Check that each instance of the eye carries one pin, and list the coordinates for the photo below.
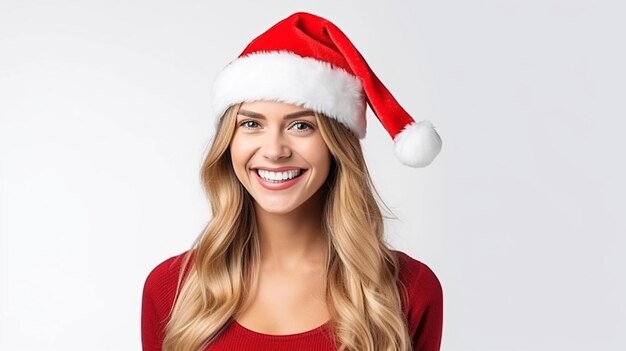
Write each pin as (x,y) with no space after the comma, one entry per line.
(302,126)
(249,124)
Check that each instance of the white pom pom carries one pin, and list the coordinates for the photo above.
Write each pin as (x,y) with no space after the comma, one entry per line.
(417,144)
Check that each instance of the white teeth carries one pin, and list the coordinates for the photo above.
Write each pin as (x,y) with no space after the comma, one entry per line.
(278,176)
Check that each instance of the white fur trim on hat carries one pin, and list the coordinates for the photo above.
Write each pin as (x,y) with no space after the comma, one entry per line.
(417,144)
(287,77)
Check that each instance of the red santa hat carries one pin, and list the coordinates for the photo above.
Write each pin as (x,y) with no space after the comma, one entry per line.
(307,60)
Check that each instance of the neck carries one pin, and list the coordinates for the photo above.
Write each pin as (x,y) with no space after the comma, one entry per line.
(295,240)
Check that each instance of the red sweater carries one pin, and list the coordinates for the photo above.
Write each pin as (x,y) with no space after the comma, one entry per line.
(424,313)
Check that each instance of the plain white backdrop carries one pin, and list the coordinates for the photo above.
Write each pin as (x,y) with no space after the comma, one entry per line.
(104,122)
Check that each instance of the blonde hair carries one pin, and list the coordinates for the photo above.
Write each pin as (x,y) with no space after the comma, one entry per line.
(362,291)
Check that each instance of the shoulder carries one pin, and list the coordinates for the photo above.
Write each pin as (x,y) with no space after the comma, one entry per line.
(162,280)
(420,286)
(415,274)
(166,268)
(159,291)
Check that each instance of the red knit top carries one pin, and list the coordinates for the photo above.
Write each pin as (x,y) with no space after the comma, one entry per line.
(422,307)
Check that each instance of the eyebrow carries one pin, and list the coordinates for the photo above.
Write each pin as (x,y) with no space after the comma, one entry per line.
(287,116)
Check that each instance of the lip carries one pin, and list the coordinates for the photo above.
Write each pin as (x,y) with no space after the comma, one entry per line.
(278,186)
(279,169)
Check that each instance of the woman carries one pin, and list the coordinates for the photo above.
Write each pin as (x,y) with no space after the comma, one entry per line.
(294,256)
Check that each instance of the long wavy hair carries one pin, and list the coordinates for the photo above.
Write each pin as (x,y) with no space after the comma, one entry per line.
(363,294)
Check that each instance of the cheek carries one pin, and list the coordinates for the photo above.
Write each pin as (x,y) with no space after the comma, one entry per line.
(319,155)
(240,155)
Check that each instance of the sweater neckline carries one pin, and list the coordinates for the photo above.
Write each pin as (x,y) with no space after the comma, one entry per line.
(310,332)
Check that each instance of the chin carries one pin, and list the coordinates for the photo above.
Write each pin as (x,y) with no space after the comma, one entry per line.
(277,209)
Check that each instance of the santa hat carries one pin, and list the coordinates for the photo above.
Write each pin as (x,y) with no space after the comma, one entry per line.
(308,61)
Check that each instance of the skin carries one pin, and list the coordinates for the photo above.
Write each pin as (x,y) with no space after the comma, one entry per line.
(288,296)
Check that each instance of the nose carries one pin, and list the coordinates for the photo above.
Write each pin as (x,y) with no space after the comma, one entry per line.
(275,147)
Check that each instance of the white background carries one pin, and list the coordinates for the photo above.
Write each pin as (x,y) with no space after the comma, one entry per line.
(104,122)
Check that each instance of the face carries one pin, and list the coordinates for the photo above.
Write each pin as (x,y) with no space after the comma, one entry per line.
(279,155)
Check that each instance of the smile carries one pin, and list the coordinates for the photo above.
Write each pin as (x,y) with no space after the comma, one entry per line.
(279,176)
(278,180)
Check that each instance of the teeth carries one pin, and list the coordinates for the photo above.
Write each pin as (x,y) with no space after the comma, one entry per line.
(278,176)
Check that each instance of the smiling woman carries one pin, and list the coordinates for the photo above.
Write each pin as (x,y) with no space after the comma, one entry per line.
(294,256)
(280,160)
